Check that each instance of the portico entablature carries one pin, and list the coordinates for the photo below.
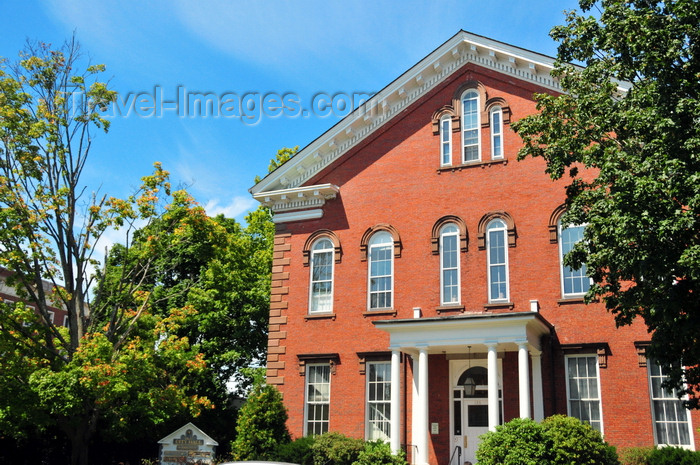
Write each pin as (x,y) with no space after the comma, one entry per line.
(452,334)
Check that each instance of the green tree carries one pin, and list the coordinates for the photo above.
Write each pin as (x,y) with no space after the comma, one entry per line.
(220,269)
(283,154)
(630,118)
(119,368)
(262,425)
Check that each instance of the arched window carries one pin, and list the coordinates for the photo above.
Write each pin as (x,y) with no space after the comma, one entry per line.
(574,283)
(321,288)
(496,115)
(381,271)
(470,126)
(497,258)
(446,140)
(449,264)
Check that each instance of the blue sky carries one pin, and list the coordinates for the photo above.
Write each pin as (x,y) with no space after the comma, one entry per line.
(162,49)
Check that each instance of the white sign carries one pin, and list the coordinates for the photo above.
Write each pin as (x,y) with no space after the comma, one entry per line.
(187,445)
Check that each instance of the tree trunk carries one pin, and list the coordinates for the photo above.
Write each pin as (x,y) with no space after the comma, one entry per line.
(79,447)
(79,435)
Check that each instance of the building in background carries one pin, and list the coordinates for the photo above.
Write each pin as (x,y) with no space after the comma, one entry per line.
(8,294)
(418,290)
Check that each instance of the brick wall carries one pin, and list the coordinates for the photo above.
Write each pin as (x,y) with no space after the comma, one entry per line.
(394,177)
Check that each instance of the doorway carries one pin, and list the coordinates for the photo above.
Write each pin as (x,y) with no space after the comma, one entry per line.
(469,409)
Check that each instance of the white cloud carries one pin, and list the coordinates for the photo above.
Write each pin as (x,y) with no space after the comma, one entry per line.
(236,207)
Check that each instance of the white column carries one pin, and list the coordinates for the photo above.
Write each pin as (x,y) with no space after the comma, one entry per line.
(415,406)
(422,433)
(395,401)
(538,397)
(524,380)
(493,385)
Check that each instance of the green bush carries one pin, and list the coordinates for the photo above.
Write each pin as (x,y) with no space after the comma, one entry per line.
(636,456)
(298,451)
(518,442)
(261,425)
(558,440)
(674,456)
(336,449)
(379,453)
(576,442)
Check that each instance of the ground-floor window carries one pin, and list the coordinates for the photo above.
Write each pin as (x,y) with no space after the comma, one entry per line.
(379,401)
(583,389)
(671,422)
(318,398)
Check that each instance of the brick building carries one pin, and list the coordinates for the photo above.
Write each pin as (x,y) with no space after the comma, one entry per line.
(8,294)
(418,293)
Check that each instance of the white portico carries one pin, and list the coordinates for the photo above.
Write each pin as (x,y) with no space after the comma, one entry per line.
(455,336)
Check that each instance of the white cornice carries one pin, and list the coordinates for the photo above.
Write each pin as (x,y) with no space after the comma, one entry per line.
(442,332)
(459,50)
(300,198)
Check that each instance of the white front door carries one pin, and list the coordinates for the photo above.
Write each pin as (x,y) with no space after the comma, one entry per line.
(475,422)
(469,410)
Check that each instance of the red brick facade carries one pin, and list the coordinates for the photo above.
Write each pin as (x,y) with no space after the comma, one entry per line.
(394,177)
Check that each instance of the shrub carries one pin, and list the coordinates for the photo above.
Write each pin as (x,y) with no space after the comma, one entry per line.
(636,456)
(261,425)
(673,456)
(336,449)
(558,440)
(518,442)
(379,453)
(298,451)
(576,442)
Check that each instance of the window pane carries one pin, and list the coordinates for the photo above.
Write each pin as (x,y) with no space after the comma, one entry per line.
(497,260)
(573,281)
(317,399)
(321,298)
(449,262)
(380,269)
(670,416)
(446,141)
(470,123)
(583,390)
(379,400)
(496,133)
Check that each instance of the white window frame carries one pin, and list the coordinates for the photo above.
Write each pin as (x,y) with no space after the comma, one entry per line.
(502,229)
(380,240)
(580,273)
(496,132)
(598,399)
(668,398)
(315,253)
(307,402)
(471,94)
(383,404)
(454,232)
(446,140)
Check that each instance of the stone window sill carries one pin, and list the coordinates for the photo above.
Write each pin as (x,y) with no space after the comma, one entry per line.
(482,164)
(450,308)
(499,305)
(320,316)
(384,312)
